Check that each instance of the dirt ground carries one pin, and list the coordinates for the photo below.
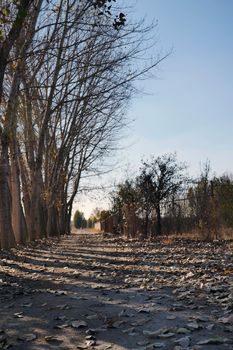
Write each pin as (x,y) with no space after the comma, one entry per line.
(93,292)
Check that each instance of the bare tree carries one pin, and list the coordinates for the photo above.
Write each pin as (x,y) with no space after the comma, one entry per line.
(66,87)
(12,31)
(161,179)
(84,112)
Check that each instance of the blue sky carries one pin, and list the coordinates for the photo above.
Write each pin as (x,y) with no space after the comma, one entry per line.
(189,108)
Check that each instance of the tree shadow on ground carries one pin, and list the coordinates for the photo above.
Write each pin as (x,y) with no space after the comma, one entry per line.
(45,288)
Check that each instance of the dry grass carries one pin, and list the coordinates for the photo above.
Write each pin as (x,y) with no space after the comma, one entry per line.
(85,230)
(198,235)
(169,240)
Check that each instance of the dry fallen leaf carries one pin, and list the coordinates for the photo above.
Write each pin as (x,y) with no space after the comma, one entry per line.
(156,346)
(182,331)
(214,340)
(78,324)
(227,319)
(160,333)
(27,337)
(184,342)
(193,325)
(171,317)
(62,326)
(92,317)
(27,305)
(166,335)
(63,307)
(53,340)
(143,343)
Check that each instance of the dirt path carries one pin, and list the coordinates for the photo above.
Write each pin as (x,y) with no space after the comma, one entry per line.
(89,292)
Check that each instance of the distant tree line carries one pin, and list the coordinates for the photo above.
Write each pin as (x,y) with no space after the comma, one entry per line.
(79,220)
(97,215)
(163,199)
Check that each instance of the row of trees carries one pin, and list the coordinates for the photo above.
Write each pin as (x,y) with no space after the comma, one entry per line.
(210,203)
(80,221)
(97,215)
(66,75)
(163,199)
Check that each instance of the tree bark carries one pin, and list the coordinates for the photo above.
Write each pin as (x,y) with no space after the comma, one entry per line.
(7,238)
(36,220)
(145,233)
(158,221)
(52,227)
(13,35)
(17,214)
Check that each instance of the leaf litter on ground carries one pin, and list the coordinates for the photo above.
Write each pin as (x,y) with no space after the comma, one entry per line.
(180,293)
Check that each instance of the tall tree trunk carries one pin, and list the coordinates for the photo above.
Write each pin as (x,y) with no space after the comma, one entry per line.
(36,220)
(67,218)
(7,238)
(26,199)
(158,220)
(17,214)
(52,227)
(64,220)
(145,233)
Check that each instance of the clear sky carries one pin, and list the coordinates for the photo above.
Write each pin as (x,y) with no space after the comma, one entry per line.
(189,108)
